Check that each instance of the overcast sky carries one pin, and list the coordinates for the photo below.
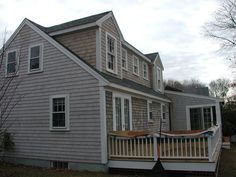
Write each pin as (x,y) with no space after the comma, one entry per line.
(171,27)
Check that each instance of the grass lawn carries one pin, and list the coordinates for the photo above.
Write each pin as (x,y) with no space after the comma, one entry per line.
(228,162)
(227,169)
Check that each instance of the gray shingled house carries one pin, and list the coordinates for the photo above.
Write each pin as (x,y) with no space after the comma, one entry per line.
(93,101)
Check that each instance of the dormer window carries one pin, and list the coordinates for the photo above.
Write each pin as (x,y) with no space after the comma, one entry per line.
(159,79)
(136,65)
(124,59)
(145,70)
(111,60)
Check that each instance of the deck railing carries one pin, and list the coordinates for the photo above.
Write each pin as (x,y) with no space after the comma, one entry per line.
(153,147)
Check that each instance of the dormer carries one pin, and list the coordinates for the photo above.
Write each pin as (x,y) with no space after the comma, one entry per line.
(157,72)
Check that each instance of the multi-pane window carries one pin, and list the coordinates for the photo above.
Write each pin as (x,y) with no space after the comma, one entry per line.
(111,53)
(202,117)
(145,70)
(35,58)
(124,59)
(159,78)
(135,65)
(59,112)
(12,63)
(163,109)
(149,111)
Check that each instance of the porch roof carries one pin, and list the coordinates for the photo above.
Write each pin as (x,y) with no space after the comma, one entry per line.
(135,86)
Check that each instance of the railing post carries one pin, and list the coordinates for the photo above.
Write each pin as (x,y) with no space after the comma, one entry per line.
(209,139)
(155,148)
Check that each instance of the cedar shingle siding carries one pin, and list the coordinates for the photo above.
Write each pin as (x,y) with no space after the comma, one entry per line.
(31,117)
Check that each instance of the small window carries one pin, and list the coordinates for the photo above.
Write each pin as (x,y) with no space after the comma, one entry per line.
(124,59)
(12,63)
(35,58)
(111,54)
(60,112)
(163,109)
(159,79)
(149,111)
(59,165)
(135,65)
(145,70)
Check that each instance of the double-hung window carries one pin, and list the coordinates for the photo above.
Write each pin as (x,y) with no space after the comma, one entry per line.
(145,70)
(149,111)
(35,58)
(59,106)
(12,63)
(163,111)
(124,59)
(159,79)
(136,65)
(111,62)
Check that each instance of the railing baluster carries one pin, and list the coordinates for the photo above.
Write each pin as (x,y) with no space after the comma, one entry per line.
(164,147)
(150,146)
(146,147)
(181,144)
(204,147)
(135,152)
(195,148)
(190,141)
(186,147)
(138,147)
(160,147)
(127,147)
(177,146)
(142,148)
(131,146)
(169,147)
(199,147)
(173,147)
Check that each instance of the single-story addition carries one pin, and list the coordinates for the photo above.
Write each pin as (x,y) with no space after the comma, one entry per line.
(92,101)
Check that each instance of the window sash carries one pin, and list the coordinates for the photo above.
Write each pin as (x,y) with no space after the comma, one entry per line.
(12,62)
(35,58)
(135,65)
(124,59)
(111,53)
(145,71)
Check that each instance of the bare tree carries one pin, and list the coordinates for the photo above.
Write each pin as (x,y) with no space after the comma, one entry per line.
(9,95)
(219,88)
(223,27)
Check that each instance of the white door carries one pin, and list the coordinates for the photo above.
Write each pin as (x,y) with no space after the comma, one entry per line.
(121,112)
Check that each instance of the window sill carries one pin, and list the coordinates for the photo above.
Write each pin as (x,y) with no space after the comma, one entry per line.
(34,72)
(11,75)
(125,69)
(136,74)
(59,130)
(150,121)
(146,79)
(111,71)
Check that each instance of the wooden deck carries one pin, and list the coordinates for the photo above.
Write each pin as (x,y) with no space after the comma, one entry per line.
(196,147)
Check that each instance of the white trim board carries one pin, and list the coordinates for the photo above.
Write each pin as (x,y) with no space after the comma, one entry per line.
(131,164)
(193,95)
(60,48)
(137,92)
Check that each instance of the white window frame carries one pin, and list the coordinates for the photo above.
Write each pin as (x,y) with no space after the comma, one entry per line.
(115,54)
(67,113)
(200,106)
(40,69)
(160,78)
(124,59)
(145,64)
(137,59)
(17,63)
(122,96)
(148,110)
